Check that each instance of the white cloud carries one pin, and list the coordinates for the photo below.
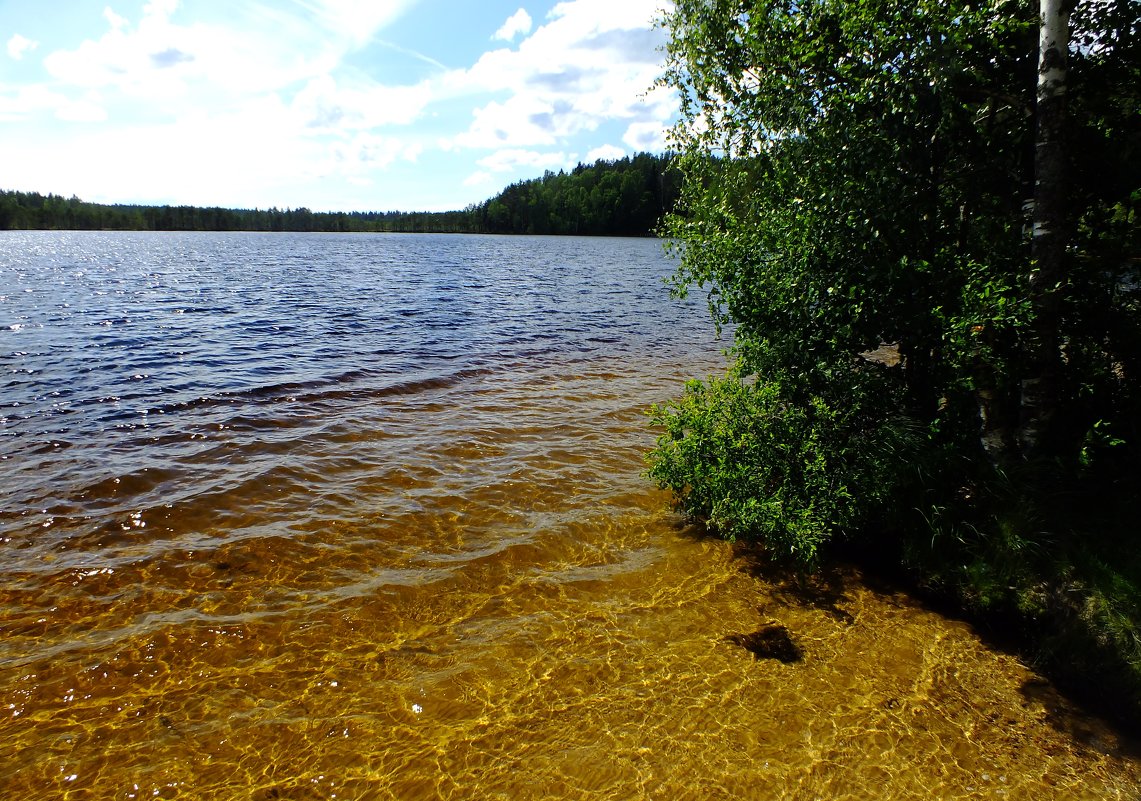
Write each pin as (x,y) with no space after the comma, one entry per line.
(236,98)
(161,8)
(359,20)
(518,23)
(260,49)
(627,15)
(646,136)
(605,153)
(324,106)
(366,152)
(19,45)
(114,20)
(207,110)
(512,159)
(232,159)
(32,100)
(478,179)
(521,121)
(590,62)
(29,100)
(165,63)
(87,109)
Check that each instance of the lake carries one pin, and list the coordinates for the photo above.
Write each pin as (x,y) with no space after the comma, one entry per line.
(290,516)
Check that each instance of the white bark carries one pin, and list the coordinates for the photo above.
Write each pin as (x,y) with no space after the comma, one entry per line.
(1041,387)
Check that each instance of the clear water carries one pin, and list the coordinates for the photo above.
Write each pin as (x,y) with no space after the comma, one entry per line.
(317,516)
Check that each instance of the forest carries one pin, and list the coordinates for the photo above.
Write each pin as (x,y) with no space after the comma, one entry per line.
(623,197)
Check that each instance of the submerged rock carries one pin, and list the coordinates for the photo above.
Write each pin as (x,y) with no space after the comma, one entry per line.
(771,641)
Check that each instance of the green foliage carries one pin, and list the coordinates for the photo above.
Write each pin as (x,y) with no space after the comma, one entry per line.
(792,470)
(738,455)
(625,197)
(855,174)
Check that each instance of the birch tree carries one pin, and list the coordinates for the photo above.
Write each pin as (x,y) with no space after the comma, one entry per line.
(855,178)
(1041,392)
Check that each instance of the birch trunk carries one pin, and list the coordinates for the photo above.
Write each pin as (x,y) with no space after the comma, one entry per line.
(1041,388)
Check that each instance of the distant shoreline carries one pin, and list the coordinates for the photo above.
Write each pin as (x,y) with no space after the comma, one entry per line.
(625,197)
(650,235)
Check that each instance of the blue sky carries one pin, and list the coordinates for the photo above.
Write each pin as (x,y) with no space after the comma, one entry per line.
(330,104)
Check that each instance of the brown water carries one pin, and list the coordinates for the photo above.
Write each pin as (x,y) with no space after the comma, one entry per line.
(319,551)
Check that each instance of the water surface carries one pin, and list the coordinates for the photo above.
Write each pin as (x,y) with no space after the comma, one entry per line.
(292,516)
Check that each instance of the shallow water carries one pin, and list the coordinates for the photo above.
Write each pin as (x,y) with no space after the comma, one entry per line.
(362,517)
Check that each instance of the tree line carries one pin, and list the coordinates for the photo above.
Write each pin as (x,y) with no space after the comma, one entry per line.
(623,197)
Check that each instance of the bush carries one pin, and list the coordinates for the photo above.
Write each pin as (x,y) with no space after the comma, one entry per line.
(792,472)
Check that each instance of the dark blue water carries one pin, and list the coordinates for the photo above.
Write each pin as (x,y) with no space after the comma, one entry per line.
(100,331)
(120,352)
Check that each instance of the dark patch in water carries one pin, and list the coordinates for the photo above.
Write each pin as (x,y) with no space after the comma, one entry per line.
(771,641)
